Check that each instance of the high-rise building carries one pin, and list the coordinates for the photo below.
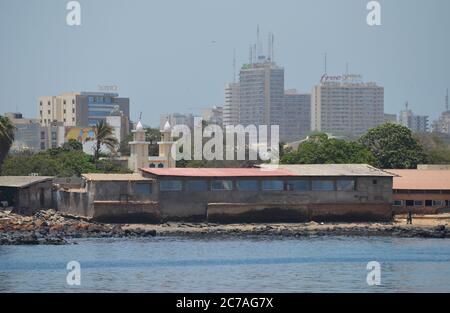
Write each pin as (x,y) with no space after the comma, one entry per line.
(29,135)
(346,106)
(261,94)
(297,116)
(80,109)
(416,123)
(390,118)
(231,106)
(213,115)
(442,124)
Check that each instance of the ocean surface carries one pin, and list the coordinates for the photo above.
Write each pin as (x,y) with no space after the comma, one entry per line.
(162,264)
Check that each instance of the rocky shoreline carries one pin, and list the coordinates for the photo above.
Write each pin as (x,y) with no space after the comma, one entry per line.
(53,228)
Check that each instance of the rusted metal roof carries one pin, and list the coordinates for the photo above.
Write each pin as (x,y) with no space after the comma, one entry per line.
(421,179)
(22,181)
(351,170)
(217,172)
(273,171)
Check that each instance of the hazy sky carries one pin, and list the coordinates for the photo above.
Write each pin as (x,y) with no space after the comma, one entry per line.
(171,56)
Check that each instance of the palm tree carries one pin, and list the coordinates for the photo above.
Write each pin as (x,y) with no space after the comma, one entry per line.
(6,137)
(104,136)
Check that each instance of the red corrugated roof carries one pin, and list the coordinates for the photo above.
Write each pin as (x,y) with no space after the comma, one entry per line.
(217,172)
(421,179)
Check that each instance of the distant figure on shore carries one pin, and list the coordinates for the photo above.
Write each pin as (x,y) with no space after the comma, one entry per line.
(409,218)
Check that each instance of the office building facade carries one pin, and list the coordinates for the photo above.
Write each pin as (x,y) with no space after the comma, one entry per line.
(346,106)
(80,109)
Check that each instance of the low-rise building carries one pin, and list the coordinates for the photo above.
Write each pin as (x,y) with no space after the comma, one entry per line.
(421,191)
(295,193)
(26,193)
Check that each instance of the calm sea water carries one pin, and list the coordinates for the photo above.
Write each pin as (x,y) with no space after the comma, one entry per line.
(229,265)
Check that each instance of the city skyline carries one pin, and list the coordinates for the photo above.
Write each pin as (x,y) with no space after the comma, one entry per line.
(187,65)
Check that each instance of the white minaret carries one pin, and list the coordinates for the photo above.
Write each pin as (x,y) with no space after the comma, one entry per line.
(138,149)
(165,145)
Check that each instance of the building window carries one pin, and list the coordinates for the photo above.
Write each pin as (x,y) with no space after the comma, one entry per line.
(322,185)
(273,185)
(196,185)
(438,203)
(64,101)
(428,202)
(143,188)
(160,165)
(73,101)
(64,111)
(218,185)
(170,185)
(374,182)
(398,203)
(48,103)
(152,165)
(48,111)
(42,135)
(42,145)
(40,112)
(409,202)
(247,185)
(345,185)
(298,185)
(73,110)
(418,203)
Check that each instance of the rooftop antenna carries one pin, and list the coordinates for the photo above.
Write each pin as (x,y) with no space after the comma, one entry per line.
(269,47)
(273,47)
(257,43)
(446,101)
(234,66)
(140,116)
(406,105)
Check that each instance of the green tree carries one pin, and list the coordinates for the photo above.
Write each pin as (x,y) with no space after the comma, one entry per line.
(104,135)
(319,149)
(58,162)
(394,147)
(436,147)
(152,135)
(72,145)
(6,137)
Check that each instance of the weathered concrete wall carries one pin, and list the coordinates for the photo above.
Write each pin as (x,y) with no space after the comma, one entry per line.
(297,213)
(35,197)
(372,193)
(112,201)
(76,202)
(126,212)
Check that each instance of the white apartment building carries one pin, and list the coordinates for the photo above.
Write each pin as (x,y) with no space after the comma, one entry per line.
(231,106)
(416,123)
(62,108)
(345,105)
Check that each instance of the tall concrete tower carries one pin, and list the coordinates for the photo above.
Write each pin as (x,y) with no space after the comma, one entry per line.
(138,149)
